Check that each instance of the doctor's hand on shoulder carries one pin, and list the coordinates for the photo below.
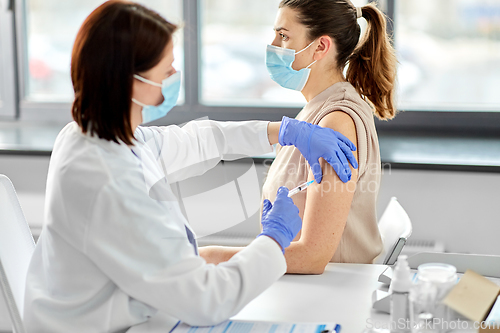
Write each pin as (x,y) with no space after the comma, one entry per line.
(281,220)
(314,141)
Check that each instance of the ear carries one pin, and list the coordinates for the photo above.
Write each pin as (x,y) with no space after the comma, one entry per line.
(325,46)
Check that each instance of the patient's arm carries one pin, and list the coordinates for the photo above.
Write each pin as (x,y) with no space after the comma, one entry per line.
(326,209)
(325,214)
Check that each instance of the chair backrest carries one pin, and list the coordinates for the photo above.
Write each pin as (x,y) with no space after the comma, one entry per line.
(395,228)
(16,249)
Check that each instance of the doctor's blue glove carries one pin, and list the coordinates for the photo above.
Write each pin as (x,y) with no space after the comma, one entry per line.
(266,207)
(281,221)
(314,141)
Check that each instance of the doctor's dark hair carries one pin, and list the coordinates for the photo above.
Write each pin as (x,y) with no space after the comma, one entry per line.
(371,62)
(117,40)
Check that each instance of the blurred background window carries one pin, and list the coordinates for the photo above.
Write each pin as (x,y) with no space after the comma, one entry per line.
(52,26)
(448,51)
(449,54)
(7,61)
(234,36)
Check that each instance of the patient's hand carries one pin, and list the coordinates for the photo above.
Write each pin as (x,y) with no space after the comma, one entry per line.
(209,253)
(217,254)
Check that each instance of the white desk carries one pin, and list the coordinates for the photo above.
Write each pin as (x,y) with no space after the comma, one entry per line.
(342,294)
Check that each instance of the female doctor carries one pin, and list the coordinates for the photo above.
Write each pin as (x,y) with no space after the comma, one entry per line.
(115,249)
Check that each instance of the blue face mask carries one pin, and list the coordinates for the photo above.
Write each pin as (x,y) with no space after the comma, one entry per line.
(279,65)
(170,88)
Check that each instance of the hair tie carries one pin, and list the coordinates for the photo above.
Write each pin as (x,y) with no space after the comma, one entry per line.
(359,12)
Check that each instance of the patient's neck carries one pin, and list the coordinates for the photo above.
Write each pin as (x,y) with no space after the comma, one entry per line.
(319,80)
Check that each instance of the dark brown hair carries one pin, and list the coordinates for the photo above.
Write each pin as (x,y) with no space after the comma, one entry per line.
(116,41)
(371,62)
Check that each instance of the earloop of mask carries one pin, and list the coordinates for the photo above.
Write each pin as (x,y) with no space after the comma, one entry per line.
(305,48)
(138,103)
(312,63)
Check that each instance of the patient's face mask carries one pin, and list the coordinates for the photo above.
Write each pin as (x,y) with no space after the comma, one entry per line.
(279,65)
(170,88)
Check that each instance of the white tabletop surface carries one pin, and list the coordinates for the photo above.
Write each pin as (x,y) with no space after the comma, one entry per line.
(342,294)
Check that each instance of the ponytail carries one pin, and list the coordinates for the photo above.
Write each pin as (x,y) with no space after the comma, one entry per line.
(372,65)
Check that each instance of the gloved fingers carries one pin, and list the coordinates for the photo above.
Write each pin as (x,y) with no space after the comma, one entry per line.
(345,167)
(266,207)
(283,221)
(339,167)
(267,204)
(282,192)
(348,153)
(317,172)
(311,135)
(289,224)
(283,203)
(345,140)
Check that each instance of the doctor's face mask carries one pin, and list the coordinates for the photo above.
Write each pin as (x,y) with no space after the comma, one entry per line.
(279,62)
(170,88)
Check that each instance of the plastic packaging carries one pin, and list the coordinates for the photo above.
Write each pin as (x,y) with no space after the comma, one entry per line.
(433,282)
(494,316)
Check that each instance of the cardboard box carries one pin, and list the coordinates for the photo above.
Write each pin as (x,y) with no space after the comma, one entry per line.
(473,297)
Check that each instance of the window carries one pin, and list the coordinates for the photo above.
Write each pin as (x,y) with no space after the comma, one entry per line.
(51,27)
(234,36)
(7,73)
(449,54)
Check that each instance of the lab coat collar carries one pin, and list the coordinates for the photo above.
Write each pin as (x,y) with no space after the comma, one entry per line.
(120,147)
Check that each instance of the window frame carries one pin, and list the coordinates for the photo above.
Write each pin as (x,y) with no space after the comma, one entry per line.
(477,123)
(8,94)
(45,112)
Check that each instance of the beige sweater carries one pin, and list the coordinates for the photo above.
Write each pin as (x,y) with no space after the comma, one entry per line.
(361,241)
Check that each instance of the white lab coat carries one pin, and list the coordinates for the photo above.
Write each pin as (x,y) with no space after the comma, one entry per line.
(110,256)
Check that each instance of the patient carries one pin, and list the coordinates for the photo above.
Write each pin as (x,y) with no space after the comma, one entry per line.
(339,219)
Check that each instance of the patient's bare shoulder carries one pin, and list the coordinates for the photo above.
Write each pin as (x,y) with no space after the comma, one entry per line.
(341,122)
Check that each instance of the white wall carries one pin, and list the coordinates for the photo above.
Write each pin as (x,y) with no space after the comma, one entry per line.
(462,209)
(29,176)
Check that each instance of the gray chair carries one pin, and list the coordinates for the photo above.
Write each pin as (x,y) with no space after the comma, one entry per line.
(16,249)
(395,228)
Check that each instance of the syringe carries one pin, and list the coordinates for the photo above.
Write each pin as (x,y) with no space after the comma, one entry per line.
(300,188)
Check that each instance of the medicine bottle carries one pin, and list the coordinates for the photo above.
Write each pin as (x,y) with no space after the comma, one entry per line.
(400,304)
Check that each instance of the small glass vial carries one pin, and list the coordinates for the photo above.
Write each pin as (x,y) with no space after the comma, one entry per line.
(400,304)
